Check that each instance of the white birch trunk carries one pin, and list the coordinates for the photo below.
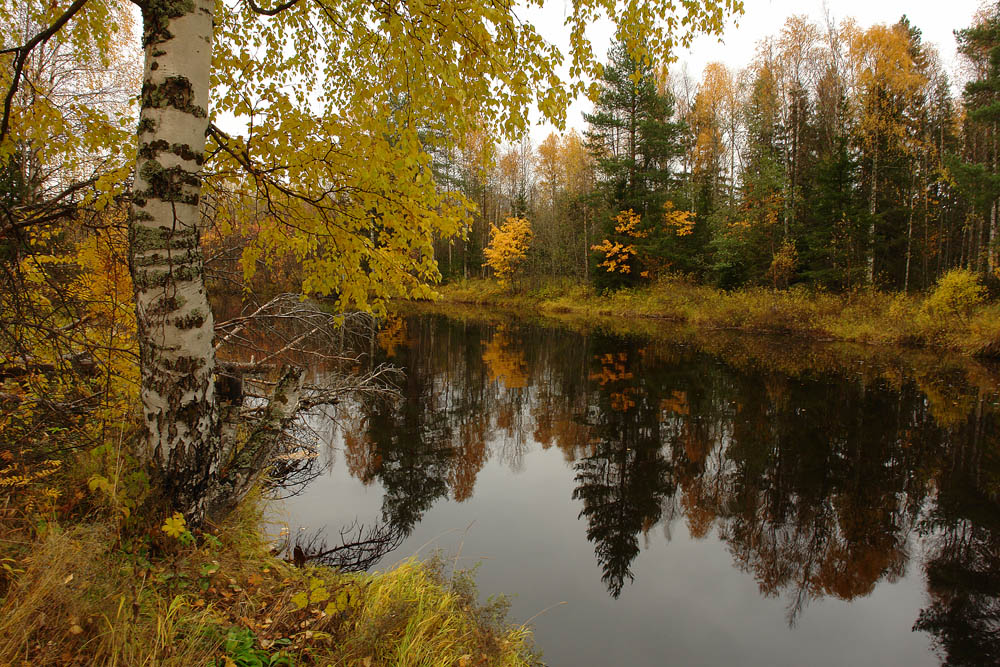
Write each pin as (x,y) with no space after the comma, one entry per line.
(175,325)
(871,223)
(198,471)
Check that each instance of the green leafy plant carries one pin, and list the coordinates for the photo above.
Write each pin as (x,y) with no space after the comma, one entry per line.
(341,600)
(241,650)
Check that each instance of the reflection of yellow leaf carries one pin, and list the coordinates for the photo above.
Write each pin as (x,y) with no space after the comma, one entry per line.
(677,403)
(505,361)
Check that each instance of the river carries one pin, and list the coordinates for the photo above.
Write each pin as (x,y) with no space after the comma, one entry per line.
(650,498)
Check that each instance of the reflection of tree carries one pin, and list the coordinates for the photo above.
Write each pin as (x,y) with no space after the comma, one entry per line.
(413,444)
(392,335)
(821,504)
(963,570)
(362,459)
(813,481)
(623,483)
(470,456)
(505,361)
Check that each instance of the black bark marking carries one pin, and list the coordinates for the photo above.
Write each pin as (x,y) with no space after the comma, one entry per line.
(175,92)
(168,184)
(146,125)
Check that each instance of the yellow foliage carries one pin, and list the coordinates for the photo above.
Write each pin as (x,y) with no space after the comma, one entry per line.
(783,264)
(17,475)
(617,257)
(682,222)
(508,248)
(628,224)
(957,292)
(175,526)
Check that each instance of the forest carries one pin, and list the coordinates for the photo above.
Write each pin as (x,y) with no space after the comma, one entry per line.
(210,211)
(842,156)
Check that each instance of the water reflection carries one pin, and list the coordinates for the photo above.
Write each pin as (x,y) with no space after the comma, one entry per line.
(821,483)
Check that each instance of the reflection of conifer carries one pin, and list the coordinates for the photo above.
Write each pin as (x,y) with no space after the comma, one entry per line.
(963,571)
(623,484)
(822,506)
(413,442)
(622,493)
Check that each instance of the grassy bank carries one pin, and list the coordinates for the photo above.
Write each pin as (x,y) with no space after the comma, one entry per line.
(81,584)
(937,319)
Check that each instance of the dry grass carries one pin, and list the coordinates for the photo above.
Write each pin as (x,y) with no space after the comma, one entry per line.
(88,590)
(861,316)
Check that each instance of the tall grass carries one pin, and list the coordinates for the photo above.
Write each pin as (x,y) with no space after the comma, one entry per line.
(864,316)
(83,592)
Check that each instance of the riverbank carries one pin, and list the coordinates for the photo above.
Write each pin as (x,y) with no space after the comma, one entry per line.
(869,317)
(83,584)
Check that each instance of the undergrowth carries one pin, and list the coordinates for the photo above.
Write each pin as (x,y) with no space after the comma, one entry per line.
(83,582)
(953,315)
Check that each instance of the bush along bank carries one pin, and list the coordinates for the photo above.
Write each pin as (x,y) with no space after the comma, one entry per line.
(955,315)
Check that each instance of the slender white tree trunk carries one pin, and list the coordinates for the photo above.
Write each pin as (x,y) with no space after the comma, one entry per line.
(909,247)
(991,248)
(872,203)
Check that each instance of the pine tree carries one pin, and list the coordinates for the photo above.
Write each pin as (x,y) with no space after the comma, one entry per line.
(632,136)
(978,176)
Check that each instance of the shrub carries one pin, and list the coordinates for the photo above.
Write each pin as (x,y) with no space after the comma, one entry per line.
(957,292)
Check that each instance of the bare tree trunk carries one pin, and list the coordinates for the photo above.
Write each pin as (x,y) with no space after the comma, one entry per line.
(909,245)
(990,252)
(978,248)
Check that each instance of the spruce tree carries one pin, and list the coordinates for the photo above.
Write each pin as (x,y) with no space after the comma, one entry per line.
(635,144)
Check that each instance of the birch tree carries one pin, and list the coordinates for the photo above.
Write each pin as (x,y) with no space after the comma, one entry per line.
(329,98)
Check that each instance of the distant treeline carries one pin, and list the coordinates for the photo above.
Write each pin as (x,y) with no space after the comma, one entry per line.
(839,157)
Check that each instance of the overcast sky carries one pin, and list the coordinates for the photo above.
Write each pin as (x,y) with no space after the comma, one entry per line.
(762,18)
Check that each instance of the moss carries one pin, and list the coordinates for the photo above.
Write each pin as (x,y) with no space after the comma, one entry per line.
(156,16)
(173,184)
(146,125)
(147,279)
(175,92)
(188,256)
(145,239)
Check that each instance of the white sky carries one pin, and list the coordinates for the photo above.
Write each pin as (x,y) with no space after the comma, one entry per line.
(762,18)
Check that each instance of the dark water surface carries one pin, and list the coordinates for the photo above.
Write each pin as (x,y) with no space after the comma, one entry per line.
(736,506)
